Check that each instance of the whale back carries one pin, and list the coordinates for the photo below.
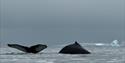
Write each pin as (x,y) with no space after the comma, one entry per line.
(74,48)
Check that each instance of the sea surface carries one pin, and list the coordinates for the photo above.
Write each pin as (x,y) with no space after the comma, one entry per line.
(99,54)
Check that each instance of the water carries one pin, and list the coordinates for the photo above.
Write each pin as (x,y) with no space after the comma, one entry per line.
(100,54)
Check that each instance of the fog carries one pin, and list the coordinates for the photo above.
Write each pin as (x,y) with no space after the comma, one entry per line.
(58,21)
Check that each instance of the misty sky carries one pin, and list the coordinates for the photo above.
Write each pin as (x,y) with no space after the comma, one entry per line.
(56,21)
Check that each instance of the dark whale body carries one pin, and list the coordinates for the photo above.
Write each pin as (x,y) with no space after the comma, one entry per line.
(33,49)
(75,48)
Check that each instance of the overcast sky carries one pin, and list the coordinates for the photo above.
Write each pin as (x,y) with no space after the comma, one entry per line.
(54,21)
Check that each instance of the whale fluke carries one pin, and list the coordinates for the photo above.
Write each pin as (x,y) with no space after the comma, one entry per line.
(19,47)
(74,48)
(33,49)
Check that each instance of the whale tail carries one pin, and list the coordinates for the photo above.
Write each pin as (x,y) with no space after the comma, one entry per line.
(33,49)
(37,48)
(19,47)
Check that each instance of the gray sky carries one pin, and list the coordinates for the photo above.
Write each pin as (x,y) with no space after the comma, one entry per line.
(54,21)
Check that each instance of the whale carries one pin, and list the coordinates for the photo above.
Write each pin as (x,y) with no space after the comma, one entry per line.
(32,49)
(74,48)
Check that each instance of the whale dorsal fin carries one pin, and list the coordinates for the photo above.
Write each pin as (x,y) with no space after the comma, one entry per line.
(19,47)
(76,43)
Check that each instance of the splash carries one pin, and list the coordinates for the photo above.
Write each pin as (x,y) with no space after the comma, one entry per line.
(115,43)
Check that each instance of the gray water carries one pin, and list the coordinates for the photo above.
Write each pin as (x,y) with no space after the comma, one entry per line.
(100,54)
